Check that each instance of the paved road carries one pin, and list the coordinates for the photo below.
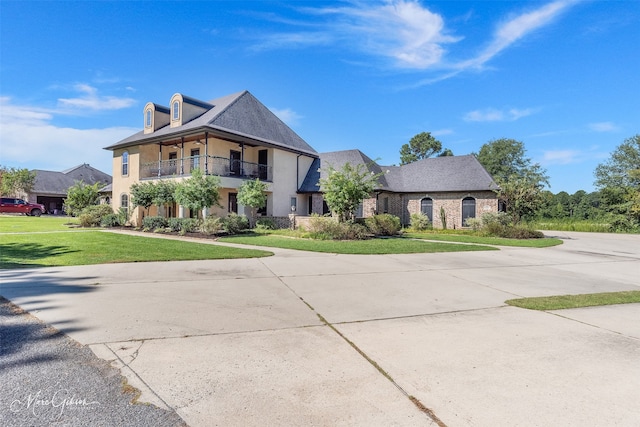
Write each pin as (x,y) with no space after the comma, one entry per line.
(321,339)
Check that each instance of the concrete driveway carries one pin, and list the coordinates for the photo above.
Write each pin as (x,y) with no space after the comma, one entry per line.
(321,339)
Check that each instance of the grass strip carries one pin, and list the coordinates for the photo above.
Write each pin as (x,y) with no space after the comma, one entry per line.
(562,302)
(498,241)
(97,247)
(356,247)
(30,224)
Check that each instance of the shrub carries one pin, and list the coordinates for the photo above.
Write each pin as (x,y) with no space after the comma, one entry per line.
(91,216)
(111,220)
(327,228)
(383,224)
(211,225)
(266,224)
(154,222)
(499,225)
(420,222)
(183,225)
(234,223)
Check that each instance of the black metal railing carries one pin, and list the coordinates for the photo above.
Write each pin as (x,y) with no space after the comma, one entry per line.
(211,165)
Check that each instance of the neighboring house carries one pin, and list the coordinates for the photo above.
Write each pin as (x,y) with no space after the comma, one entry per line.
(234,137)
(50,187)
(458,184)
(237,138)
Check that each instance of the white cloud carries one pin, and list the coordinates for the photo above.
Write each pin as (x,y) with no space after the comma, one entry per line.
(442,132)
(495,115)
(287,115)
(31,140)
(562,157)
(603,127)
(92,101)
(403,30)
(515,29)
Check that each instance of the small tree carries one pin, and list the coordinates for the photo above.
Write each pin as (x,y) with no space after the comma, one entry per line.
(16,182)
(164,194)
(80,196)
(521,196)
(252,194)
(199,191)
(345,189)
(421,146)
(142,194)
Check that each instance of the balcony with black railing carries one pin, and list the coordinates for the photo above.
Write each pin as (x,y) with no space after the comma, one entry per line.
(211,165)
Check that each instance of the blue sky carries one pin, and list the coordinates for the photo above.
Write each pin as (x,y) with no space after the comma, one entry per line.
(562,76)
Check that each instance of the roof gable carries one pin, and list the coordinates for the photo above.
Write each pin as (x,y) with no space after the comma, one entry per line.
(240,114)
(438,174)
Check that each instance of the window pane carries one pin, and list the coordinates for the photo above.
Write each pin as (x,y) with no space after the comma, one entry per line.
(426,207)
(468,208)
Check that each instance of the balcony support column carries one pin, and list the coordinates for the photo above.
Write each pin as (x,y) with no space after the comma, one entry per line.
(182,156)
(160,160)
(206,153)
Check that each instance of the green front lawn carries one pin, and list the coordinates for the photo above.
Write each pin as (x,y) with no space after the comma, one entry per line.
(371,246)
(576,301)
(23,223)
(498,241)
(97,247)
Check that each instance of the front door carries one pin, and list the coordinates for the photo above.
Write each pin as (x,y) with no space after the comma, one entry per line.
(234,166)
(233,203)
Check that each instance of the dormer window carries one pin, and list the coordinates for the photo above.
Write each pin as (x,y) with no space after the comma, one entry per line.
(147,118)
(175,108)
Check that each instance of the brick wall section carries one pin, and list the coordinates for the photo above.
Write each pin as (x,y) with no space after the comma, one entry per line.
(486,201)
(403,205)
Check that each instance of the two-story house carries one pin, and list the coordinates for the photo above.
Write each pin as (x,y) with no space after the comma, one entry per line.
(234,137)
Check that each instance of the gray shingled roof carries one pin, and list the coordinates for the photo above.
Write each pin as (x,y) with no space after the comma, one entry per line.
(438,174)
(240,114)
(58,183)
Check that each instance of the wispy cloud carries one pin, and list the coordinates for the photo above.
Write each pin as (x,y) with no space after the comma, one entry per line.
(409,34)
(287,115)
(403,30)
(30,139)
(603,127)
(92,101)
(562,157)
(496,115)
(516,28)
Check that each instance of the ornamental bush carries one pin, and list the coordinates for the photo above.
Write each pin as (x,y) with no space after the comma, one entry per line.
(91,216)
(420,222)
(235,223)
(154,222)
(383,224)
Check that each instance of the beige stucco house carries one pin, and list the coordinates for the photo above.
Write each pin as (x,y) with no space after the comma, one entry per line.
(234,137)
(237,138)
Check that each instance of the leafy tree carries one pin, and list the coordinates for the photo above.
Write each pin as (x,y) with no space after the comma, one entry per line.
(421,146)
(521,196)
(143,193)
(446,153)
(619,182)
(346,188)
(252,194)
(505,158)
(80,196)
(618,170)
(16,182)
(164,194)
(198,192)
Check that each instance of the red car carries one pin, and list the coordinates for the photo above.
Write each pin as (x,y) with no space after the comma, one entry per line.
(11,205)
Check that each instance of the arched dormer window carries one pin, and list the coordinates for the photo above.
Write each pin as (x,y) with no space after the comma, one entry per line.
(175,110)
(147,118)
(125,163)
